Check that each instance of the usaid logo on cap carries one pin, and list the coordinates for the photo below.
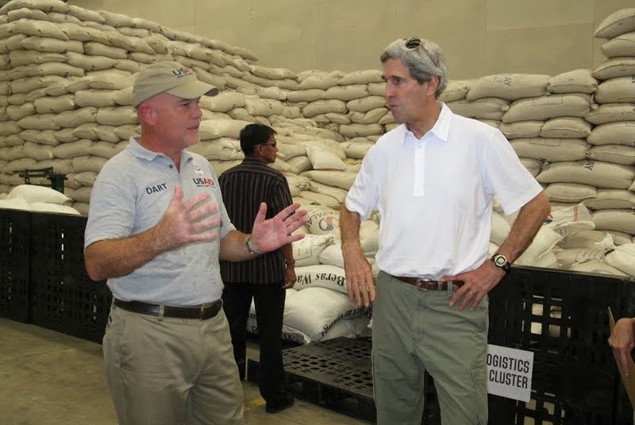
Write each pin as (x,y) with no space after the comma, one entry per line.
(182,72)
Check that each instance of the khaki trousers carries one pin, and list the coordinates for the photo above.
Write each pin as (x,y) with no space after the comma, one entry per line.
(167,371)
(414,331)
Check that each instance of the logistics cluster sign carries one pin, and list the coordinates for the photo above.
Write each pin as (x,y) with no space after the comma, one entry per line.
(509,372)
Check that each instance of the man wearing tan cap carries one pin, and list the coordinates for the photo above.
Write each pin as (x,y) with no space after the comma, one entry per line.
(156,229)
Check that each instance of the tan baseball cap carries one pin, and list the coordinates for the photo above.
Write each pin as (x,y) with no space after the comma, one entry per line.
(169,77)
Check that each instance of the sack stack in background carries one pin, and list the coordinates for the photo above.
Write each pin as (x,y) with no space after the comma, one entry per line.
(66,79)
(613,135)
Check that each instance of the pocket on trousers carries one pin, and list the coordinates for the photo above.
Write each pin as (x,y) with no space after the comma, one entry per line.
(481,316)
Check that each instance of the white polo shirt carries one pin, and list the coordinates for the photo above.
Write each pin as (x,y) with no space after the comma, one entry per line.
(434,194)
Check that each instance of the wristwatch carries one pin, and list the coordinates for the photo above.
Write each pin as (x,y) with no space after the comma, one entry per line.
(250,247)
(501,262)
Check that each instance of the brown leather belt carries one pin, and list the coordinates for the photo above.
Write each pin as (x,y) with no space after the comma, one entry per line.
(201,312)
(427,284)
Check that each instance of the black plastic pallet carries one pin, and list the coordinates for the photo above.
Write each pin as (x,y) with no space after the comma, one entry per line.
(335,374)
(63,298)
(15,290)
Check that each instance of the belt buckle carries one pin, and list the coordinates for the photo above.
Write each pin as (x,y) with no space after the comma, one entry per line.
(205,307)
(421,282)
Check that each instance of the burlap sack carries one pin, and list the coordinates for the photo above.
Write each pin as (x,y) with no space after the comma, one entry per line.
(617,154)
(90,63)
(592,173)
(107,133)
(117,115)
(15,112)
(614,68)
(39,122)
(323,106)
(623,258)
(546,107)
(521,129)
(37,151)
(509,86)
(621,220)
(309,95)
(551,150)
(323,159)
(341,179)
(360,130)
(371,117)
(334,192)
(377,89)
(614,133)
(576,81)
(617,23)
(566,127)
(336,118)
(106,149)
(77,180)
(43,5)
(46,137)
(611,112)
(455,90)
(483,108)
(621,46)
(365,104)
(54,105)
(616,90)
(213,129)
(72,149)
(346,93)
(85,131)
(321,199)
(612,199)
(570,192)
(320,80)
(257,106)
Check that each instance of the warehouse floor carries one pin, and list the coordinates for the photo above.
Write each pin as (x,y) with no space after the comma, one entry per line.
(48,378)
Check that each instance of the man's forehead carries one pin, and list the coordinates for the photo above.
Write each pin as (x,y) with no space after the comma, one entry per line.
(395,68)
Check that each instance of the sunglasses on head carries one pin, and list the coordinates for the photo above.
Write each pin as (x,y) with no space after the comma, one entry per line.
(412,42)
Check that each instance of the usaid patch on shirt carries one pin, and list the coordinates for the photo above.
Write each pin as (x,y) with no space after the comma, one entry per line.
(201,181)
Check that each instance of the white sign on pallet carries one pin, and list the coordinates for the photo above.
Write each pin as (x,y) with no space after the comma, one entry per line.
(509,372)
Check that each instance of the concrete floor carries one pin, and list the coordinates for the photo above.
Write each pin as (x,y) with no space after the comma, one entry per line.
(48,378)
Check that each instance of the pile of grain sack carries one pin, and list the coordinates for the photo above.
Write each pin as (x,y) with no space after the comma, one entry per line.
(65,86)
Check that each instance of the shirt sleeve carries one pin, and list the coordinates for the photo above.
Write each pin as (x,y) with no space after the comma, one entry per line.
(363,195)
(112,213)
(505,175)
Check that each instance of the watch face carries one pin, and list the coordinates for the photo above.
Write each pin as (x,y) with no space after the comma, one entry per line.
(500,260)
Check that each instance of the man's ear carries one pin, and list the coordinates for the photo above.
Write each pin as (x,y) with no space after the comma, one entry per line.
(258,150)
(146,113)
(433,84)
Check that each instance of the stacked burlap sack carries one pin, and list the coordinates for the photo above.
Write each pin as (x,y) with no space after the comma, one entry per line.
(65,92)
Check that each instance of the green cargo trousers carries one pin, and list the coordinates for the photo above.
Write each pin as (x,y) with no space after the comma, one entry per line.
(416,330)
